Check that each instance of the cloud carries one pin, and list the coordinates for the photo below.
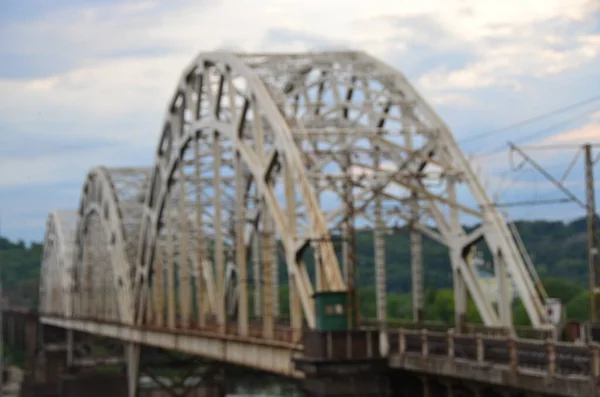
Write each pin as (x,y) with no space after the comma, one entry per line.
(589,133)
(299,40)
(87,82)
(505,64)
(57,167)
(107,89)
(517,43)
(506,169)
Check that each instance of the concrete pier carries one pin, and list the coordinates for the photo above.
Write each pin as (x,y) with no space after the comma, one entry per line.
(344,363)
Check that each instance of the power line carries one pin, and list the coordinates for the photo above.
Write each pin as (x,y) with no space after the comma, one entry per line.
(556,146)
(532,119)
(546,174)
(509,182)
(560,124)
(519,168)
(534,202)
(559,183)
(570,167)
(543,131)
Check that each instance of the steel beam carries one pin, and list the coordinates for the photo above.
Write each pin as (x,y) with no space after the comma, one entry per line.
(270,356)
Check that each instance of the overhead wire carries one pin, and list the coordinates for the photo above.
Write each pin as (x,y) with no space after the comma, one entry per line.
(505,183)
(541,132)
(532,119)
(560,124)
(519,168)
(556,146)
(534,202)
(545,199)
(571,165)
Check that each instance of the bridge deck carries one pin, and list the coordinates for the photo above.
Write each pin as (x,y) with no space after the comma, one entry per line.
(559,369)
(562,369)
(274,356)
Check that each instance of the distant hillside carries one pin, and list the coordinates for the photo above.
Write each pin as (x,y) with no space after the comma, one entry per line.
(558,250)
(20,271)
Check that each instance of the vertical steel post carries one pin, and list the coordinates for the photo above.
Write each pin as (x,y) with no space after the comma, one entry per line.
(593,255)
(416,261)
(352,266)
(1,331)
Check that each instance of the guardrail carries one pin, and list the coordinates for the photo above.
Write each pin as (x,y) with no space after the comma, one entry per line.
(548,357)
(341,345)
(467,328)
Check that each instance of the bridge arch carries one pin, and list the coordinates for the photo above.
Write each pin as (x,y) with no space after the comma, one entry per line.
(349,103)
(271,115)
(107,228)
(222,105)
(365,133)
(259,151)
(57,261)
(262,149)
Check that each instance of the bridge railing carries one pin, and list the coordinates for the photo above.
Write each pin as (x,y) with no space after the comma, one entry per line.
(341,345)
(439,326)
(547,357)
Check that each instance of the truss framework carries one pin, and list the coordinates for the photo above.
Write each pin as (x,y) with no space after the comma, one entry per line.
(109,223)
(59,245)
(269,158)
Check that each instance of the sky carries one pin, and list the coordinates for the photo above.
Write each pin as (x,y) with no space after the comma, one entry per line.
(85,83)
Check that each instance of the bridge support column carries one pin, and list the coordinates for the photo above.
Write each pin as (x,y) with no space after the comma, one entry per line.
(93,384)
(132,362)
(349,379)
(32,335)
(62,356)
(46,370)
(343,363)
(70,348)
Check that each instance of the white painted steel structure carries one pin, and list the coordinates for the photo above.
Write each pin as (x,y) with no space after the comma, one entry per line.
(259,160)
(55,279)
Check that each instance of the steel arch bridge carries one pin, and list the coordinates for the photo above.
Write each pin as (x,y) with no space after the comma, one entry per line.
(266,159)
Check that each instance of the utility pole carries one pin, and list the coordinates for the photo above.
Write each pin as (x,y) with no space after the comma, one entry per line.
(593,255)
(1,328)
(592,225)
(352,266)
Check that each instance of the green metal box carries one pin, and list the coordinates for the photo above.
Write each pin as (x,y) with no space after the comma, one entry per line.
(331,311)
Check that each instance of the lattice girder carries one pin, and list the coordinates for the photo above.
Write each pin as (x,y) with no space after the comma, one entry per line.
(108,227)
(221,102)
(358,120)
(57,262)
(259,148)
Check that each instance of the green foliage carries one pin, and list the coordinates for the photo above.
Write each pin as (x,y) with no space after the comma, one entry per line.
(558,250)
(562,289)
(20,271)
(520,314)
(13,356)
(578,308)
(573,296)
